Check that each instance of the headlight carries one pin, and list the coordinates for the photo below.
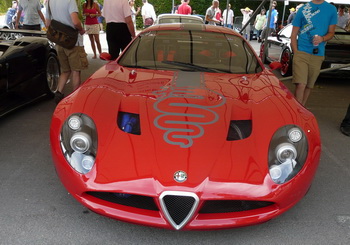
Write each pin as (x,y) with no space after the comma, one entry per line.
(287,153)
(75,122)
(79,142)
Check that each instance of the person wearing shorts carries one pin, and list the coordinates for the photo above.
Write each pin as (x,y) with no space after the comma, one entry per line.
(313,25)
(92,11)
(32,15)
(72,61)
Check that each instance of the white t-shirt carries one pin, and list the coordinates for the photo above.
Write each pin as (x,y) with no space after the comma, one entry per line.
(30,8)
(147,11)
(116,10)
(229,17)
(61,11)
(343,20)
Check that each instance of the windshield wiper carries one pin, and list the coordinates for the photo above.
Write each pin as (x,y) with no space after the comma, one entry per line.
(136,66)
(190,65)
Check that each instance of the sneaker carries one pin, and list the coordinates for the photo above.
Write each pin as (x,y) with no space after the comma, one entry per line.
(58,97)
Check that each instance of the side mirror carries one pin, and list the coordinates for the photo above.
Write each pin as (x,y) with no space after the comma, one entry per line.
(275,65)
(105,56)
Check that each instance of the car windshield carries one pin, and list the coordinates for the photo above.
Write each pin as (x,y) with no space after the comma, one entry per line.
(191,51)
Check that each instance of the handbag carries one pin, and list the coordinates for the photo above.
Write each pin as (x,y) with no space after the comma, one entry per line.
(61,34)
(149,21)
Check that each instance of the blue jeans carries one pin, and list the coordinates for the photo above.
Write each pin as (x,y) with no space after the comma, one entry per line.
(228,25)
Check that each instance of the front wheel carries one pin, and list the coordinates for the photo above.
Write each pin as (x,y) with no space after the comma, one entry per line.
(286,62)
(52,73)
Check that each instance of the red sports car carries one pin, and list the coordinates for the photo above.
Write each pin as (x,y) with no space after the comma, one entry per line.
(185,130)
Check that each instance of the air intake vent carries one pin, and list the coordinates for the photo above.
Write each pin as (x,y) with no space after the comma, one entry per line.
(178,207)
(239,129)
(129,122)
(228,206)
(136,201)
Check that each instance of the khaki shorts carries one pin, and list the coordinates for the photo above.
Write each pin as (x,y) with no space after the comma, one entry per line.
(306,68)
(74,59)
(92,29)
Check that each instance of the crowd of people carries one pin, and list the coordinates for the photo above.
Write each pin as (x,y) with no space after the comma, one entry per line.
(120,22)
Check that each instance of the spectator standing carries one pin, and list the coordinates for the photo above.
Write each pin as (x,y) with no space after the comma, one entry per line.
(134,12)
(32,14)
(313,25)
(210,13)
(247,13)
(120,28)
(274,17)
(343,17)
(273,21)
(11,15)
(100,18)
(228,17)
(260,22)
(91,11)
(291,15)
(72,61)
(43,11)
(345,125)
(218,16)
(184,7)
(148,14)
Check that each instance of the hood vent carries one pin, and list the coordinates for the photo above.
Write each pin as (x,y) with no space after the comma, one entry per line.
(178,207)
(129,122)
(239,129)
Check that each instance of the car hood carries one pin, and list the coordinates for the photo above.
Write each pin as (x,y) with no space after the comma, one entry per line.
(184,119)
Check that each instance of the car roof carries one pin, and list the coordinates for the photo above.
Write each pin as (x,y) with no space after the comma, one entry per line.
(190,27)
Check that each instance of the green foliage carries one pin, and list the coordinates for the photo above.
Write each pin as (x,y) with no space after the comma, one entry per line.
(4,5)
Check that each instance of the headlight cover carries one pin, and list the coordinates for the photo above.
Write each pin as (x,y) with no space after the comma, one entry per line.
(287,153)
(79,142)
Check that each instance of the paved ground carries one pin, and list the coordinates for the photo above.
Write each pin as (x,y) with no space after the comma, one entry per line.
(36,209)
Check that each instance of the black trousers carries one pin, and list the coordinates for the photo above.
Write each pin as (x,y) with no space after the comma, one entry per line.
(118,37)
(32,27)
(346,121)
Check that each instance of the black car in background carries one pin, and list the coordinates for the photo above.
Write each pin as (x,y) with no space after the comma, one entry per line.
(29,70)
(279,49)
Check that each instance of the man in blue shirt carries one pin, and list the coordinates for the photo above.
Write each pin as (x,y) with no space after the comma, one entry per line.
(313,25)
(274,16)
(273,21)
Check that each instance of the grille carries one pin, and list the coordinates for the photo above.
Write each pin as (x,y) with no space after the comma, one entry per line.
(239,129)
(178,207)
(228,206)
(136,201)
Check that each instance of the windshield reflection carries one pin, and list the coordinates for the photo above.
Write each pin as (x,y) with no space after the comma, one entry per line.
(191,51)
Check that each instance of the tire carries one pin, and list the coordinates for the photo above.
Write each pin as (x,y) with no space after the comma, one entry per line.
(52,74)
(261,53)
(286,62)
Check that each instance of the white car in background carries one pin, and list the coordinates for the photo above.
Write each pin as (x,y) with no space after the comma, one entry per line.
(179,18)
